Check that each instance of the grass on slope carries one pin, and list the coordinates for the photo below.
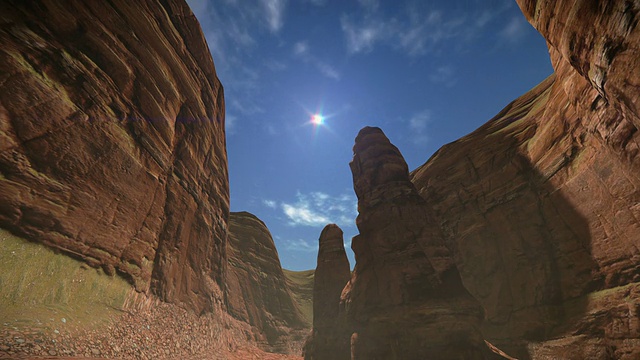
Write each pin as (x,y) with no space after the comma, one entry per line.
(42,289)
(301,284)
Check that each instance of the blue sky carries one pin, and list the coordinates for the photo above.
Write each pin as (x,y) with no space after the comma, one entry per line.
(426,72)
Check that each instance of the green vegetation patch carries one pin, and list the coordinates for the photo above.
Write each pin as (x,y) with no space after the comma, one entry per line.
(40,288)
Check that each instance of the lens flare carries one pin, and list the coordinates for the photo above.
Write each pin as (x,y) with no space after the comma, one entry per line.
(317,119)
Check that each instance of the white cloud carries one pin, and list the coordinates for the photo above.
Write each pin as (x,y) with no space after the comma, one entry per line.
(418,124)
(301,214)
(300,245)
(302,51)
(369,5)
(275,13)
(301,48)
(484,18)
(443,75)
(230,124)
(361,38)
(514,30)
(328,71)
(246,107)
(275,65)
(417,31)
(320,209)
(270,203)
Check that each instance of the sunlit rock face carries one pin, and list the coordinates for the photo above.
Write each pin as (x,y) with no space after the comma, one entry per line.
(540,205)
(405,298)
(257,288)
(330,337)
(112,143)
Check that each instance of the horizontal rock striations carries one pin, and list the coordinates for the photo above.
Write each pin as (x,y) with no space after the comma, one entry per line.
(258,292)
(405,298)
(330,337)
(112,142)
(540,205)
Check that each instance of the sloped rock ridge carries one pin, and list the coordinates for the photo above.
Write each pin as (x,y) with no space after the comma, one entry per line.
(540,205)
(112,141)
(258,292)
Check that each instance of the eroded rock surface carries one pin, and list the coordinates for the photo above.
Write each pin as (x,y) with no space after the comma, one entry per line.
(405,298)
(112,143)
(540,205)
(330,337)
(258,292)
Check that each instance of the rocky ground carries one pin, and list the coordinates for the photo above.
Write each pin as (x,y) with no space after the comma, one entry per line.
(150,330)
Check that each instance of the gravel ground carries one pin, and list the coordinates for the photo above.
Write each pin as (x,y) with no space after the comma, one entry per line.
(153,330)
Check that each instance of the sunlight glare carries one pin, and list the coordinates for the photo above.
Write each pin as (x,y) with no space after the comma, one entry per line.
(317,119)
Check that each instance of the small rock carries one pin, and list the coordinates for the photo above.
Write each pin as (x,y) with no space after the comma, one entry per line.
(20,341)
(95,351)
(52,352)
(64,321)
(4,348)
(37,348)
(56,331)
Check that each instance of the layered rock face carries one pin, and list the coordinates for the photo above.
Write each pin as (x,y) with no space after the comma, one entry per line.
(258,292)
(405,299)
(330,337)
(540,205)
(112,143)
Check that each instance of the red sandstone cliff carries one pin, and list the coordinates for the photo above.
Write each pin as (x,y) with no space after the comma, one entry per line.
(405,298)
(112,150)
(330,337)
(540,205)
(112,143)
(258,292)
(537,209)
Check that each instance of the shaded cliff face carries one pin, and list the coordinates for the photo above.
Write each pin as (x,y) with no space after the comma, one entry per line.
(540,205)
(258,292)
(330,337)
(405,298)
(112,145)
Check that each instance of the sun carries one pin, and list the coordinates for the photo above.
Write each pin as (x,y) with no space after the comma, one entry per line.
(317,119)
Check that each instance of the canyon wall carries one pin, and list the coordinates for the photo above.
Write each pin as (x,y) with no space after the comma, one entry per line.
(258,292)
(112,141)
(540,205)
(536,212)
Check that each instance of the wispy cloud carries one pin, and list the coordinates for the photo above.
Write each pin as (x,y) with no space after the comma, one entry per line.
(514,30)
(418,124)
(232,28)
(443,75)
(316,2)
(320,209)
(230,124)
(275,13)
(300,245)
(362,38)
(302,51)
(369,5)
(270,203)
(301,214)
(301,48)
(417,31)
